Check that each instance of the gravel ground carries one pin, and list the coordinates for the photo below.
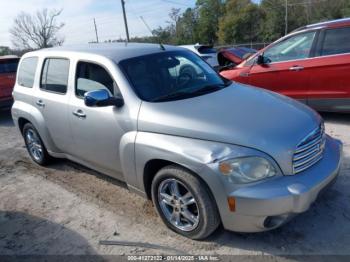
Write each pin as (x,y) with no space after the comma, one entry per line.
(67,209)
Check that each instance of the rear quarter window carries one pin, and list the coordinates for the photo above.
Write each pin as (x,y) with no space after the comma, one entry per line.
(26,72)
(336,41)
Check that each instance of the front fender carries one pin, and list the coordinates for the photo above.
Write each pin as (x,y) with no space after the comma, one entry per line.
(193,154)
(199,156)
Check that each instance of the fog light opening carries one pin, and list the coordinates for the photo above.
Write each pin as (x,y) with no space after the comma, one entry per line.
(275,221)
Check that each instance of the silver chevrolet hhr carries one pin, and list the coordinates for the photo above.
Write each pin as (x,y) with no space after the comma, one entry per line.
(204,149)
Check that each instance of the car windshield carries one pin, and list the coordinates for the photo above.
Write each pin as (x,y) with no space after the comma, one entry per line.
(207,50)
(8,66)
(172,75)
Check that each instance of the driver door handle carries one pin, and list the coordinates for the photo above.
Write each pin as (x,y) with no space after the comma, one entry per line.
(79,113)
(296,68)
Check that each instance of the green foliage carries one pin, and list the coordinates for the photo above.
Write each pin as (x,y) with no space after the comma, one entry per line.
(186,28)
(4,50)
(209,13)
(243,21)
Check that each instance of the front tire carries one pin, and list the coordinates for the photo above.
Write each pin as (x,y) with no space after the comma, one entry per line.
(35,145)
(184,203)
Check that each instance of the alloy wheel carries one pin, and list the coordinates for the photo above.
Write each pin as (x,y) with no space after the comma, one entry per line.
(178,204)
(34,145)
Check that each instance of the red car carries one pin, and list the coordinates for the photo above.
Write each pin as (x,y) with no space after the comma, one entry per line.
(312,64)
(8,68)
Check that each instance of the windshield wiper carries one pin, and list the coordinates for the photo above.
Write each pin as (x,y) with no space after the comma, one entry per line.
(183,94)
(168,97)
(209,88)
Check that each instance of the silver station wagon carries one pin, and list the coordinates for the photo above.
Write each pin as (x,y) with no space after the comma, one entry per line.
(206,150)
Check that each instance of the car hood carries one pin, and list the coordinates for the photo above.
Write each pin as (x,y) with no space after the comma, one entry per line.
(233,73)
(240,115)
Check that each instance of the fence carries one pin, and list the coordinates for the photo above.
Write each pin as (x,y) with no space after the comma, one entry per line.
(256,46)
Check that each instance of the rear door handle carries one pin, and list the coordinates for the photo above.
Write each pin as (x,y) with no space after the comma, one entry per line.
(79,113)
(296,68)
(40,103)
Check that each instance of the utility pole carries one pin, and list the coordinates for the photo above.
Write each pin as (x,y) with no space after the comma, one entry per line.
(309,11)
(286,19)
(96,31)
(125,21)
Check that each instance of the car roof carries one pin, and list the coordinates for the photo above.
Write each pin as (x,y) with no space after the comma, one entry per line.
(332,23)
(113,51)
(8,57)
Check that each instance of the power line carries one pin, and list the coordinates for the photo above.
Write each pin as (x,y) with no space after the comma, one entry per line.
(307,3)
(143,20)
(173,2)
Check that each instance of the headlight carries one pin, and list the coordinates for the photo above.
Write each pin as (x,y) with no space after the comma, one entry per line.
(247,169)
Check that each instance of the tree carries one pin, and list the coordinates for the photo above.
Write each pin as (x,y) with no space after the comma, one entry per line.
(241,22)
(209,12)
(186,27)
(162,35)
(37,31)
(274,22)
(174,16)
(4,50)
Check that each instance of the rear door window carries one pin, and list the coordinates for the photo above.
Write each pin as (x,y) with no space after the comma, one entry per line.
(54,77)
(26,72)
(336,41)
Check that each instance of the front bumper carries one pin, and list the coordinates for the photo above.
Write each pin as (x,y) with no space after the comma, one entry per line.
(267,205)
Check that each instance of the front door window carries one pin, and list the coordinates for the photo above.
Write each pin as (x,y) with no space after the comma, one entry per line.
(293,48)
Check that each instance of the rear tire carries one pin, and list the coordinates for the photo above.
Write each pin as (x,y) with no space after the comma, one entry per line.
(35,145)
(184,203)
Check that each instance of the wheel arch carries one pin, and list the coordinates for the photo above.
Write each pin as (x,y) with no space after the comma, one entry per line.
(21,122)
(153,166)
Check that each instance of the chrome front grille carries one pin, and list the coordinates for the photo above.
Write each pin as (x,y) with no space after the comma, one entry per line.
(310,150)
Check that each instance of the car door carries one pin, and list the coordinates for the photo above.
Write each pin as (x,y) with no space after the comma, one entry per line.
(51,99)
(330,85)
(96,131)
(286,67)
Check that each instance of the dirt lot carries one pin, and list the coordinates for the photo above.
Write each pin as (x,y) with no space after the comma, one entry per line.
(67,209)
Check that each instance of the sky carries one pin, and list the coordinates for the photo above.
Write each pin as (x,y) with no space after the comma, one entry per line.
(78,17)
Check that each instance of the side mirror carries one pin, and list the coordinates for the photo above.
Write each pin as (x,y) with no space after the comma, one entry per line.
(262,60)
(101,98)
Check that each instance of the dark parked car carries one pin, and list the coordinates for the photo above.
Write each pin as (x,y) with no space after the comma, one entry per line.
(8,68)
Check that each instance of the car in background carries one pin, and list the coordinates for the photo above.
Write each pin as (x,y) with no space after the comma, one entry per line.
(231,57)
(8,68)
(311,64)
(207,52)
